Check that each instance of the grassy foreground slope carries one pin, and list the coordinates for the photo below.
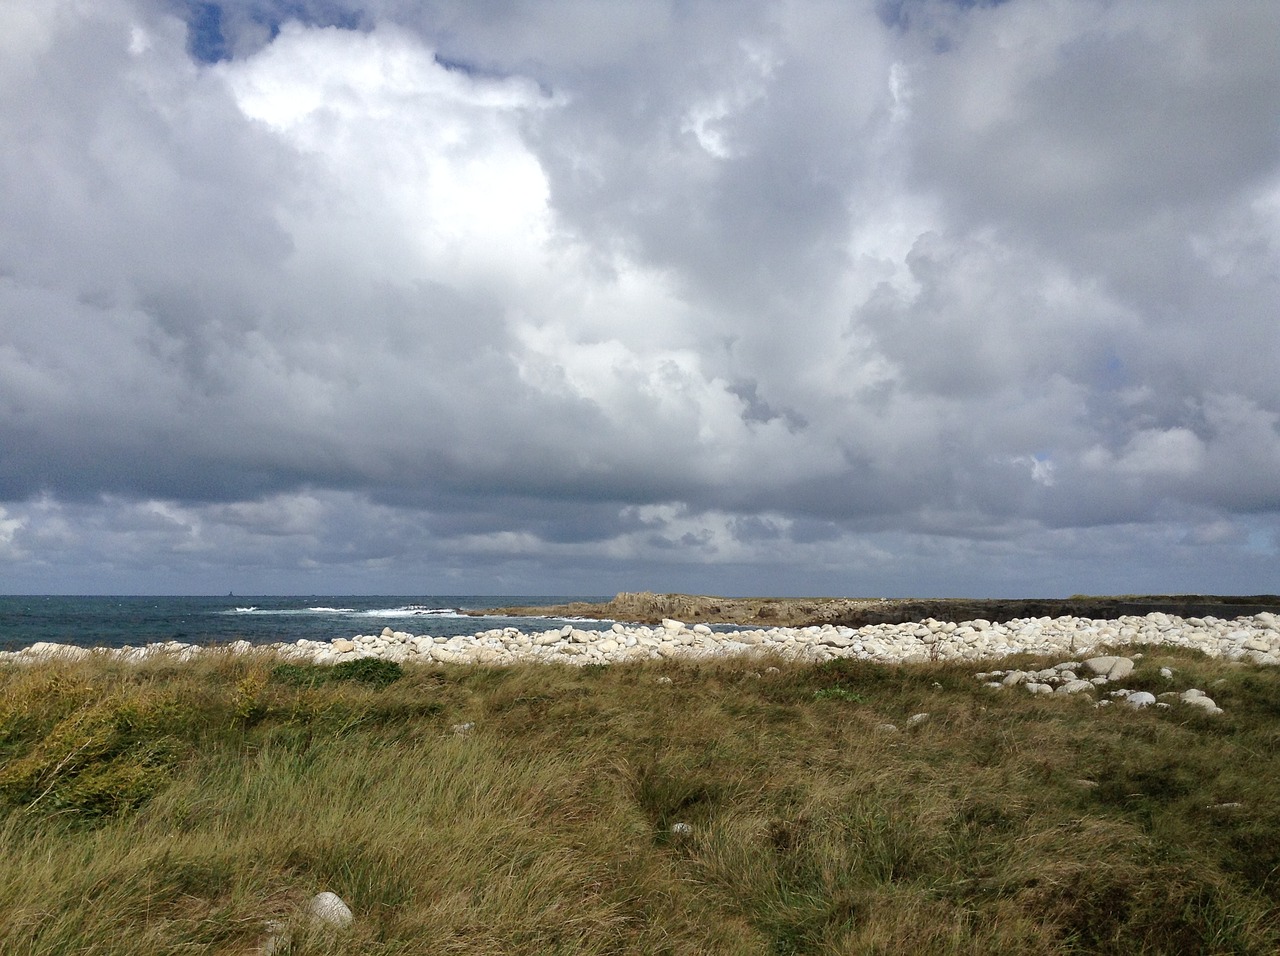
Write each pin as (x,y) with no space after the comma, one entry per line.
(181,808)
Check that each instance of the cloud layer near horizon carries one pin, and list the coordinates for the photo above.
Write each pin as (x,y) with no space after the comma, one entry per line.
(921,297)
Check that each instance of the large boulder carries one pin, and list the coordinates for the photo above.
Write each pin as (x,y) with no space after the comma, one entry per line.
(327,909)
(1112,668)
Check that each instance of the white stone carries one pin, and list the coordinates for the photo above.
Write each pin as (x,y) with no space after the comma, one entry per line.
(1139,699)
(1204,703)
(1100,665)
(327,908)
(1075,687)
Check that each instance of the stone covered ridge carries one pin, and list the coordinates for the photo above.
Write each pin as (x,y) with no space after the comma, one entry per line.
(1255,639)
(1095,674)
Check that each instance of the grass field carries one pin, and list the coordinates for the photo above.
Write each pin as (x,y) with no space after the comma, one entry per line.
(182,808)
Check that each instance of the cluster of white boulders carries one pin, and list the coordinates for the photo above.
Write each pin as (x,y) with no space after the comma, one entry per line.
(1254,639)
(1094,675)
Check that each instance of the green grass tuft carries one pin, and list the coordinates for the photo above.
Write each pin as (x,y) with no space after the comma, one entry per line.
(837,693)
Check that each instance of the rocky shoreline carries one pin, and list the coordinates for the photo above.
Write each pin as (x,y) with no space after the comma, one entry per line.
(1254,639)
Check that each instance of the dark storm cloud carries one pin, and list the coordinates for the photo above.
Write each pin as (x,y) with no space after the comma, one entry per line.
(553,296)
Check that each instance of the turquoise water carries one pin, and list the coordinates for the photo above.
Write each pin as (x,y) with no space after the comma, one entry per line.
(123,621)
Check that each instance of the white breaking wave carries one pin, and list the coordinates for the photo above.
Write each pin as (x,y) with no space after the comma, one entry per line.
(292,610)
(410,610)
(413,610)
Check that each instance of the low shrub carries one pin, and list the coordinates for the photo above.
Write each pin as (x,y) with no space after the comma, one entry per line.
(364,670)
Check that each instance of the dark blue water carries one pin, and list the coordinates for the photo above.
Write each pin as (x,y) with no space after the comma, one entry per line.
(124,621)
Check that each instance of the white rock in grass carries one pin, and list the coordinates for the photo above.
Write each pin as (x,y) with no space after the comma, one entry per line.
(1139,699)
(1121,669)
(916,719)
(327,908)
(1075,687)
(1204,703)
(681,829)
(1100,666)
(277,938)
(65,652)
(1111,668)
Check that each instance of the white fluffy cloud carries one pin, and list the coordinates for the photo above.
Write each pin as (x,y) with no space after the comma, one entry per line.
(898,297)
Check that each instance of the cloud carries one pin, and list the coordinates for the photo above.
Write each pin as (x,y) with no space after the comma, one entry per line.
(551,295)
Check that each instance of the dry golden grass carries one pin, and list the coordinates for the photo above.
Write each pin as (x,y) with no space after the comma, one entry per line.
(181,808)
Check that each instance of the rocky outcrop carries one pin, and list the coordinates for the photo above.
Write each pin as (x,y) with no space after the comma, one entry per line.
(645,607)
(648,608)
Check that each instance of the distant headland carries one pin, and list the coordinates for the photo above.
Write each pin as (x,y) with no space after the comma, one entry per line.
(645,607)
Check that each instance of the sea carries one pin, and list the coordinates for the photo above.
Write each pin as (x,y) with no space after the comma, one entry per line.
(99,621)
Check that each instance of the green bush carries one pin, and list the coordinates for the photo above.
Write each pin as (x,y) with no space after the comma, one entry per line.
(363,670)
(89,758)
(368,670)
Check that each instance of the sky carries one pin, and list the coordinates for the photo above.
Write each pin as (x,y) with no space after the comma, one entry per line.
(793,297)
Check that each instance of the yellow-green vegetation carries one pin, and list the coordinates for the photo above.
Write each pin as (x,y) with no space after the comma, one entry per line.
(181,808)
